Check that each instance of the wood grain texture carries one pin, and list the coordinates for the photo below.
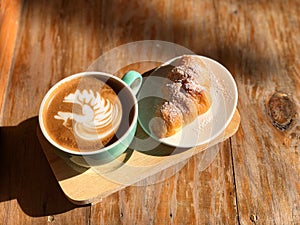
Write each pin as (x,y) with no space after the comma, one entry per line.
(266,160)
(191,196)
(9,22)
(255,177)
(51,45)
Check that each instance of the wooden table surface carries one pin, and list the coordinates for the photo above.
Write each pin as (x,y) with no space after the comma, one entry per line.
(255,177)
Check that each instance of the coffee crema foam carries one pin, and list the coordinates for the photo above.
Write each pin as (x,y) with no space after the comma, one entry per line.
(83,114)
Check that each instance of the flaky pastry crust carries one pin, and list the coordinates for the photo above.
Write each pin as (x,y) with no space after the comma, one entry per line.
(187,96)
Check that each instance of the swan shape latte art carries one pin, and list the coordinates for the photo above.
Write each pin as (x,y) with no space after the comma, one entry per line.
(93,117)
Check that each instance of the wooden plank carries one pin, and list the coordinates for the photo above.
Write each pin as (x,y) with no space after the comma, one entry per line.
(263,55)
(28,193)
(9,23)
(51,45)
(190,196)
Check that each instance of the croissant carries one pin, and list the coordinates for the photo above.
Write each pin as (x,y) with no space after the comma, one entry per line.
(186,94)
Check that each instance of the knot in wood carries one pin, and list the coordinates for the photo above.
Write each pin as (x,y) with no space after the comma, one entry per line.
(281,110)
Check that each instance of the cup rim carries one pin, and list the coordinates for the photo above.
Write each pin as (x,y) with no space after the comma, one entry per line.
(82,74)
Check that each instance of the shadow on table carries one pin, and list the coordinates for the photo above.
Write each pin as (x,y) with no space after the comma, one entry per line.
(26,174)
(233,52)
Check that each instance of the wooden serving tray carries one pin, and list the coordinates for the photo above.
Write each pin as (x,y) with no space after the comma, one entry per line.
(89,185)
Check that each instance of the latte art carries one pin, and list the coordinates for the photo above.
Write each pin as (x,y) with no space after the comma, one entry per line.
(83,114)
(97,117)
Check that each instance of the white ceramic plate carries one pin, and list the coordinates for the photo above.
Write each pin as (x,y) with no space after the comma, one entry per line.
(205,127)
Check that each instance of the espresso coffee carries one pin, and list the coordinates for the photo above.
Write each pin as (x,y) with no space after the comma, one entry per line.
(83,114)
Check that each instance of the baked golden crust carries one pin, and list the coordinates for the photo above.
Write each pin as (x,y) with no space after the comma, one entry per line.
(187,95)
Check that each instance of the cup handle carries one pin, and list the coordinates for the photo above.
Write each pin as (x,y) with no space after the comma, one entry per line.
(134,80)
